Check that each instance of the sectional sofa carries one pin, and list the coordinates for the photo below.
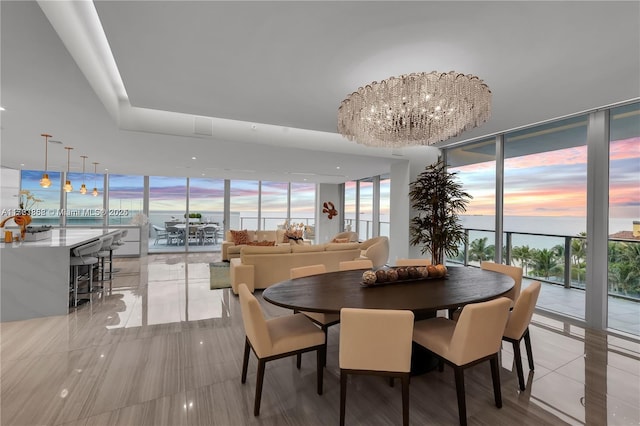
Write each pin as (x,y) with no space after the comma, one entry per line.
(259,267)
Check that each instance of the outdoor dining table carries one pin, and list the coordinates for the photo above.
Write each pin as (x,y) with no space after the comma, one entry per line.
(330,292)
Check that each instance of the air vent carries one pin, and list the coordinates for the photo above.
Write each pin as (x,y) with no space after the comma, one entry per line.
(202,126)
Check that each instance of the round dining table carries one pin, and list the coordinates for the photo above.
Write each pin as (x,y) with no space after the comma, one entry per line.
(330,292)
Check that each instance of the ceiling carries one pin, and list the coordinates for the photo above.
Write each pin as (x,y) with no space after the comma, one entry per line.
(251,89)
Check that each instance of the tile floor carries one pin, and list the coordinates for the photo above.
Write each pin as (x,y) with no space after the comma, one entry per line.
(160,348)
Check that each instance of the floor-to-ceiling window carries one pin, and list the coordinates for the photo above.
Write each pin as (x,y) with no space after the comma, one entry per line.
(350,205)
(83,209)
(365,203)
(624,219)
(47,211)
(126,196)
(475,168)
(168,208)
(244,204)
(385,205)
(303,207)
(545,198)
(274,201)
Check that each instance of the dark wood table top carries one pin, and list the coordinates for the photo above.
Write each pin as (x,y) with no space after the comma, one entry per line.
(330,292)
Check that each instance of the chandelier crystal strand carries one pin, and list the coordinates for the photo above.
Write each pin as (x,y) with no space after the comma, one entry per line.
(414,109)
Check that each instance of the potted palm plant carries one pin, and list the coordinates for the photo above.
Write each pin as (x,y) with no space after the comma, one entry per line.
(438,197)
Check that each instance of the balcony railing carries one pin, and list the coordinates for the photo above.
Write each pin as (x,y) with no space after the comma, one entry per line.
(556,259)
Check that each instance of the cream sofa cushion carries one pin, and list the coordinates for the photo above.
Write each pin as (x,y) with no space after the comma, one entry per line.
(247,250)
(341,246)
(303,248)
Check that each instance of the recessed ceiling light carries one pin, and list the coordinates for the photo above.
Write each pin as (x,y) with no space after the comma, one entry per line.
(21,164)
(2,109)
(338,167)
(193,158)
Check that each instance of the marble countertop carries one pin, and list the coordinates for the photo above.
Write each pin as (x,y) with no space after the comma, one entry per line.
(61,238)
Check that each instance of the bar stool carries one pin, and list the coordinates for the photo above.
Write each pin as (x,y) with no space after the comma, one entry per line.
(104,252)
(115,245)
(84,255)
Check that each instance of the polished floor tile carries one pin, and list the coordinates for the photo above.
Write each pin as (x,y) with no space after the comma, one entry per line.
(160,348)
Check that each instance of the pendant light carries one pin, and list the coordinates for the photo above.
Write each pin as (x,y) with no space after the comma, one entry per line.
(95,188)
(45,182)
(67,185)
(83,187)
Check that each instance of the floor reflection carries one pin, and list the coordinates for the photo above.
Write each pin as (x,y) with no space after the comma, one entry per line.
(160,339)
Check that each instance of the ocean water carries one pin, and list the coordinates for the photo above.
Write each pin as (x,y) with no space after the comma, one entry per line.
(552,230)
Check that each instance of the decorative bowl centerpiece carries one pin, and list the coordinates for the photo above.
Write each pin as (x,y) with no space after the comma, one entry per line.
(403,274)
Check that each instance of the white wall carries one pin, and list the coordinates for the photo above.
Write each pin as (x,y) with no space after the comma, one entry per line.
(9,187)
(402,174)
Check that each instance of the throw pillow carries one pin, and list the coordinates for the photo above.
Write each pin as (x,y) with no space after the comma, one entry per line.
(240,237)
(292,235)
(261,243)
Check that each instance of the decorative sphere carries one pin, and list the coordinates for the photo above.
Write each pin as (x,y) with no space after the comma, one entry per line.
(381,275)
(413,272)
(424,272)
(442,270)
(402,273)
(432,271)
(369,277)
(392,275)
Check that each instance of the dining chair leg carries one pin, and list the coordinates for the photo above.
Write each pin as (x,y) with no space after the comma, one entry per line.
(495,375)
(405,399)
(320,369)
(256,406)
(527,344)
(245,361)
(298,361)
(343,395)
(462,404)
(517,358)
(326,342)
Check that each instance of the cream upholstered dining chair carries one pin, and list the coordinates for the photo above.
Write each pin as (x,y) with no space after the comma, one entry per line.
(323,320)
(474,338)
(378,342)
(350,265)
(518,327)
(413,262)
(276,338)
(514,272)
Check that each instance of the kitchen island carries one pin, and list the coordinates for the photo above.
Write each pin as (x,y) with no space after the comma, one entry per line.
(34,276)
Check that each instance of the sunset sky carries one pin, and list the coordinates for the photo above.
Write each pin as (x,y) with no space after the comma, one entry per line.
(551,183)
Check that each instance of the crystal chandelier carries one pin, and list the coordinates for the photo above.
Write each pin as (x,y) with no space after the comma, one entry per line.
(414,109)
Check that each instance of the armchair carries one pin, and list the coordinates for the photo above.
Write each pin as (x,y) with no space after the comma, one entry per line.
(375,249)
